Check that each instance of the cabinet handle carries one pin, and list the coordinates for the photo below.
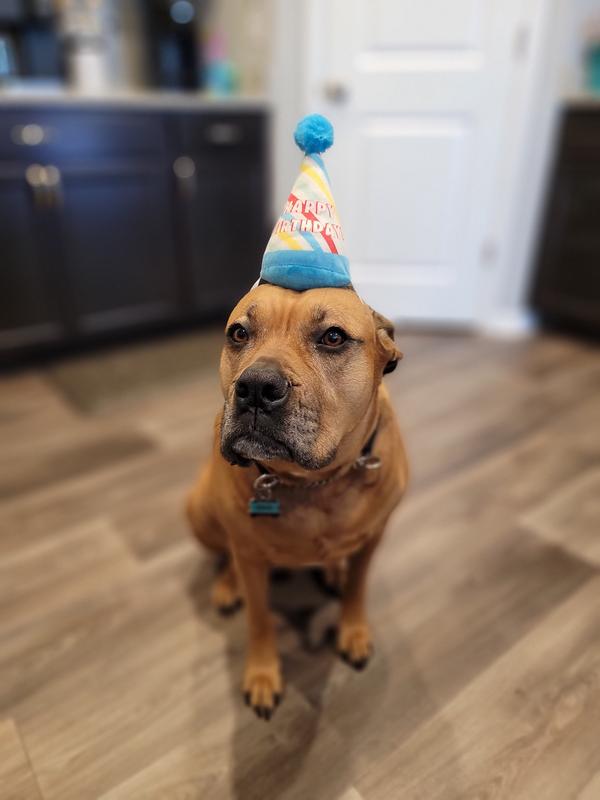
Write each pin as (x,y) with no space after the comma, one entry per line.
(34,175)
(46,183)
(224,133)
(53,184)
(30,135)
(184,169)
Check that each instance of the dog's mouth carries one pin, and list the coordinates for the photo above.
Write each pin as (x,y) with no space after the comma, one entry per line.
(255,445)
(249,438)
(256,436)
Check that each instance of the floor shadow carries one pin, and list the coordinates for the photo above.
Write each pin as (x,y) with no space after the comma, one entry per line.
(277,759)
(333,721)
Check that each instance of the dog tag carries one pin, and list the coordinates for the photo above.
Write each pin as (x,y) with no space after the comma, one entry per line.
(263,504)
(264,508)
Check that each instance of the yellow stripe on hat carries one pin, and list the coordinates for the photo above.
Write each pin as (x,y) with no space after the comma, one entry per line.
(312,173)
(290,240)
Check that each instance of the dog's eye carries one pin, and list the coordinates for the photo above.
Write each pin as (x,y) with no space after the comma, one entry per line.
(332,338)
(238,334)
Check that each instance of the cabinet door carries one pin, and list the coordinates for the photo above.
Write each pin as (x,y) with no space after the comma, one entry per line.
(29,312)
(568,280)
(118,246)
(227,224)
(221,184)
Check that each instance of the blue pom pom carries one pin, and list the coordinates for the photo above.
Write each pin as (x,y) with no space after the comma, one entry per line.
(314,134)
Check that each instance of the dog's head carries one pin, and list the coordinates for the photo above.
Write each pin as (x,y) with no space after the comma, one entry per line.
(299,371)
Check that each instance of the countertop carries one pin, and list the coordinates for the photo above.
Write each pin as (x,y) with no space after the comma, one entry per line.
(582,100)
(150,99)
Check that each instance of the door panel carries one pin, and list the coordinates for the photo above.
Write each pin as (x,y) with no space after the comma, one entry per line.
(418,164)
(118,247)
(429,23)
(226,229)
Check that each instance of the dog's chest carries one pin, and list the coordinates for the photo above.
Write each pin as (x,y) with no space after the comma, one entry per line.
(316,530)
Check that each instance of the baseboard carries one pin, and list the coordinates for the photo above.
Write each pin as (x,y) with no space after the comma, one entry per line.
(513,323)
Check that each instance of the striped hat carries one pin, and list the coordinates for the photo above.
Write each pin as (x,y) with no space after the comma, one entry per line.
(306,248)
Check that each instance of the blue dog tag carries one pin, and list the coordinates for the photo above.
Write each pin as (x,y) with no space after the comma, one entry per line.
(264,508)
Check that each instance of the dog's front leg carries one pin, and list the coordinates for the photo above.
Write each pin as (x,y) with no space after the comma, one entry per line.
(262,676)
(354,642)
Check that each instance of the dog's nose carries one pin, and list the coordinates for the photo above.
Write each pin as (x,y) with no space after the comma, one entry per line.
(261,386)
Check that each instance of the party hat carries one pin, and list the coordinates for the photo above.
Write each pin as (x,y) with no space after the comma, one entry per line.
(306,248)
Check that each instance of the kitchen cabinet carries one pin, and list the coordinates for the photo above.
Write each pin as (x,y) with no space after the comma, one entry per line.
(114,220)
(566,287)
(29,308)
(222,204)
(117,246)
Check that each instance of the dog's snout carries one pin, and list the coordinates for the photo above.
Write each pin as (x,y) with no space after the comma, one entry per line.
(261,386)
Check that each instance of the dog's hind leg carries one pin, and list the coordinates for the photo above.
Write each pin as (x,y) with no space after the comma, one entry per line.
(203,522)
(225,593)
(205,527)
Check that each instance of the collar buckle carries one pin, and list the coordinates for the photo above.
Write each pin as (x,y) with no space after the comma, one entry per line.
(368,462)
(264,485)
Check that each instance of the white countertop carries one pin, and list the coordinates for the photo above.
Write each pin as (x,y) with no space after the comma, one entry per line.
(151,99)
(582,99)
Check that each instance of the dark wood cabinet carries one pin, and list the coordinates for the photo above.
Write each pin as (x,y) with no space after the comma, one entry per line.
(118,246)
(29,308)
(566,287)
(113,221)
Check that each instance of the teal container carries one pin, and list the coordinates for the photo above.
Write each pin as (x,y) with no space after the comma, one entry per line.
(593,68)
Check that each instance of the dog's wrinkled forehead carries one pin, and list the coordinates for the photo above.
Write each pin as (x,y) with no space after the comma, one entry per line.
(269,307)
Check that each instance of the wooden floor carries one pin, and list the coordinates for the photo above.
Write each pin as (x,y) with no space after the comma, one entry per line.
(118,682)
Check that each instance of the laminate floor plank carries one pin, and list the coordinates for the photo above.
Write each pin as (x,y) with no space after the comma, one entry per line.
(525,727)
(17,781)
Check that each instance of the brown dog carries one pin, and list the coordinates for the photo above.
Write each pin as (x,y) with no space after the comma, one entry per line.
(305,408)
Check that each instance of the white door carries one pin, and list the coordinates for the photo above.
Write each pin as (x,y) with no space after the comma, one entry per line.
(419,92)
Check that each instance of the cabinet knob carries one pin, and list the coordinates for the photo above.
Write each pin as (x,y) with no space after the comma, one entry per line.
(46,183)
(184,168)
(30,135)
(224,133)
(34,175)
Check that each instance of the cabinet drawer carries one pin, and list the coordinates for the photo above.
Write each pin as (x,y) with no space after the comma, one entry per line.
(221,132)
(50,134)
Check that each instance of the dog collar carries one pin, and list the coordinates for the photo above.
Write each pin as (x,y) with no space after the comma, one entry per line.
(263,504)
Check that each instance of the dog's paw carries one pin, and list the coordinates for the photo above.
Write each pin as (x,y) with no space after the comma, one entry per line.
(262,690)
(354,644)
(225,596)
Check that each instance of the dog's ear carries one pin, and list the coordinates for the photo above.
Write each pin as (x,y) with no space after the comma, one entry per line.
(384,331)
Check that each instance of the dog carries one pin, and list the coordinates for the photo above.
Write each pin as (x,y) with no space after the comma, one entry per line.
(308,462)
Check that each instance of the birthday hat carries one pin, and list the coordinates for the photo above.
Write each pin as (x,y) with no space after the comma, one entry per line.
(306,248)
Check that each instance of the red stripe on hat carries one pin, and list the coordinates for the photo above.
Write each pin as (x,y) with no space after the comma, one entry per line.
(309,215)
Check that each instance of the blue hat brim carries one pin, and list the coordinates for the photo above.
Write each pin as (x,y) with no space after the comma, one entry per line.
(304,269)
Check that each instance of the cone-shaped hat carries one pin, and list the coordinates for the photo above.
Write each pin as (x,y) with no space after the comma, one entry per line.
(306,248)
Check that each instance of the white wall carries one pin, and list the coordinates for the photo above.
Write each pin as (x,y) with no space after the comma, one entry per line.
(556,50)
(287,89)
